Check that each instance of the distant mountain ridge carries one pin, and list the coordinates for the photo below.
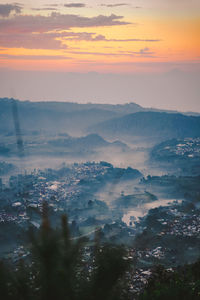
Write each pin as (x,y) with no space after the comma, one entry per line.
(58,116)
(155,124)
(75,119)
(72,106)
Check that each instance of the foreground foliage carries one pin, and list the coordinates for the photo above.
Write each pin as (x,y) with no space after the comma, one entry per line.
(182,283)
(61,268)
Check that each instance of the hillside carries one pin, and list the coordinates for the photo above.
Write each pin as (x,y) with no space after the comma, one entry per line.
(84,144)
(152,124)
(60,145)
(111,120)
(72,118)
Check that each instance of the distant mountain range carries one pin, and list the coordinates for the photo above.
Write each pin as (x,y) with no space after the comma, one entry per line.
(72,118)
(106,119)
(152,124)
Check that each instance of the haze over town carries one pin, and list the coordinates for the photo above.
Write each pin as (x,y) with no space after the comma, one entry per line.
(99,122)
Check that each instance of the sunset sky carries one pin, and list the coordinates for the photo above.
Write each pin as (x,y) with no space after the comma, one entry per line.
(104,36)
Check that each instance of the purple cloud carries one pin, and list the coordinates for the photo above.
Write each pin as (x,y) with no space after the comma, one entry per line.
(31,41)
(114,5)
(6,9)
(75,5)
(43,9)
(57,21)
(86,36)
(54,40)
(53,5)
(33,32)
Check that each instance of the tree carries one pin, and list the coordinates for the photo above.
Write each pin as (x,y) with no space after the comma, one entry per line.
(58,268)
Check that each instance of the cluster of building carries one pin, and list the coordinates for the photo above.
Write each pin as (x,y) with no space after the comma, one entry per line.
(148,255)
(63,189)
(139,280)
(7,217)
(185,225)
(60,188)
(188,147)
(20,252)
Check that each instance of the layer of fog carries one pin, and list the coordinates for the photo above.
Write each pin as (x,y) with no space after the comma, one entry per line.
(141,210)
(137,158)
(175,89)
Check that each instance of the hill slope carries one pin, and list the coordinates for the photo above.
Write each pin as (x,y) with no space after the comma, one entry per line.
(67,117)
(155,124)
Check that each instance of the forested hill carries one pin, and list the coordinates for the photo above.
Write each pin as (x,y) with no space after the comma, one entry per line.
(155,124)
(60,116)
(114,120)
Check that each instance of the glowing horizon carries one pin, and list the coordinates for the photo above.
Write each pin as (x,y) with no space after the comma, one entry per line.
(105,37)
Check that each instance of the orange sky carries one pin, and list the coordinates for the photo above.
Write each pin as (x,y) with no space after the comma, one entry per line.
(106,37)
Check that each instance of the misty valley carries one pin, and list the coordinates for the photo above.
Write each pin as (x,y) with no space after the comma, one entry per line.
(130,173)
(100,150)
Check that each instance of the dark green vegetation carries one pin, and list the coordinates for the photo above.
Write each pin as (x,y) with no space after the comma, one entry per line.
(62,268)
(178,187)
(59,267)
(181,283)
